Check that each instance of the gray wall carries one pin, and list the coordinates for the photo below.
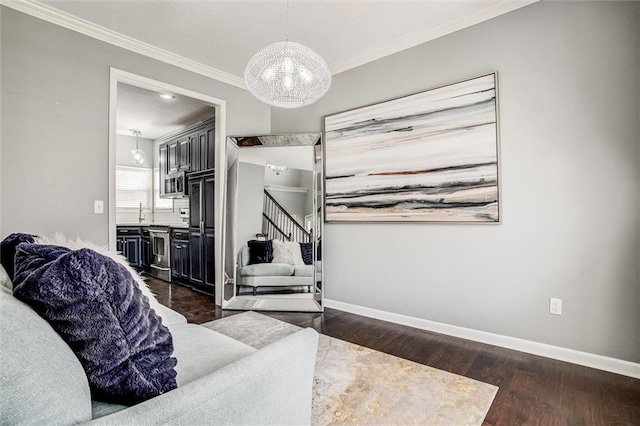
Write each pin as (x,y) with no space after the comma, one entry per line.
(55,108)
(569,84)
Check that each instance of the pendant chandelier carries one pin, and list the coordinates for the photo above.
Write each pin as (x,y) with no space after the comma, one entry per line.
(287,74)
(277,169)
(137,155)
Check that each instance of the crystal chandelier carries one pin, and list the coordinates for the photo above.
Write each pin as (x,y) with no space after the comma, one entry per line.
(137,155)
(287,74)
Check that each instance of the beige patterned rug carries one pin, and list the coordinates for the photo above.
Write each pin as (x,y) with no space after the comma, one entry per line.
(357,385)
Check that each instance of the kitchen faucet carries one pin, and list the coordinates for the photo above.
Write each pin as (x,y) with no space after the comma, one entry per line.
(140,214)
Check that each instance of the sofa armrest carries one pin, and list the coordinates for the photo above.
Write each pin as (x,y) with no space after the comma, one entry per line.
(270,386)
(169,316)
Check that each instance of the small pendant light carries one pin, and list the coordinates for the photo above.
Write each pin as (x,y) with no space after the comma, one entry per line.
(137,155)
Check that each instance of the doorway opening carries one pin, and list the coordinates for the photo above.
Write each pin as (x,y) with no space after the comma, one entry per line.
(120,79)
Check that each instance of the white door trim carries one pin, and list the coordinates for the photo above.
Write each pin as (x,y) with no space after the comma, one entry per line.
(120,76)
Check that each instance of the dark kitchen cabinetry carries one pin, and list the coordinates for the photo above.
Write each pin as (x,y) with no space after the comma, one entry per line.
(180,254)
(129,243)
(190,150)
(201,231)
(183,153)
(162,167)
(203,149)
(178,157)
(172,157)
(147,253)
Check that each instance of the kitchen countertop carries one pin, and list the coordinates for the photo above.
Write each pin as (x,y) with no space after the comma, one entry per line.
(171,225)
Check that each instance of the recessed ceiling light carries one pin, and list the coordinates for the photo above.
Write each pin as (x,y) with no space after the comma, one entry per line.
(166,96)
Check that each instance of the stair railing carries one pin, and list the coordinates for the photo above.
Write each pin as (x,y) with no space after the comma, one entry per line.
(277,223)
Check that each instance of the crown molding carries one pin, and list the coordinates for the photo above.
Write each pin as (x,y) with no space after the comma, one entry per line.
(491,10)
(66,20)
(63,19)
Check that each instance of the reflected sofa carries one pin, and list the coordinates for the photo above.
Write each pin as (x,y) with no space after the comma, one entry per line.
(272,274)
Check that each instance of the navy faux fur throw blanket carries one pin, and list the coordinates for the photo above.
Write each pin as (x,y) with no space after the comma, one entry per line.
(98,309)
(8,250)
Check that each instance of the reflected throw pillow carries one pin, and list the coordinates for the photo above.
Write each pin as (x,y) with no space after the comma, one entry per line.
(96,307)
(260,251)
(307,253)
(287,252)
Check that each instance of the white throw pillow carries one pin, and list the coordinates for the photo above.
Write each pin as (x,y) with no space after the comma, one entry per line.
(287,252)
(280,252)
(296,253)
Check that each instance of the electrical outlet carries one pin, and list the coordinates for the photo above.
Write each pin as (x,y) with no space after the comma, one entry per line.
(555,306)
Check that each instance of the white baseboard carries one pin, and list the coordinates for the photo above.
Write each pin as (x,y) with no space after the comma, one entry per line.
(599,362)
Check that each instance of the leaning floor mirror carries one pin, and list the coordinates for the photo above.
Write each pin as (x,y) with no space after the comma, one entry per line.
(273,223)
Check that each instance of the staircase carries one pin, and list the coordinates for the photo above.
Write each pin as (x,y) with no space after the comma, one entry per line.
(278,224)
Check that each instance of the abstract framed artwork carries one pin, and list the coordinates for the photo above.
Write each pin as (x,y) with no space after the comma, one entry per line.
(427,157)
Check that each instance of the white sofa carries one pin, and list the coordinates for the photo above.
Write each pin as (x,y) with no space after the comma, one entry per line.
(272,274)
(220,380)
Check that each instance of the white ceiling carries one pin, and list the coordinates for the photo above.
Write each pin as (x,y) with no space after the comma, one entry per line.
(145,110)
(217,38)
(223,35)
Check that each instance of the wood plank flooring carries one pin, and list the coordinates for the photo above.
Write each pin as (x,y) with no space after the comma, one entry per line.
(533,390)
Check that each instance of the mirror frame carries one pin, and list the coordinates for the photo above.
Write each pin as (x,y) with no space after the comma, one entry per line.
(229,261)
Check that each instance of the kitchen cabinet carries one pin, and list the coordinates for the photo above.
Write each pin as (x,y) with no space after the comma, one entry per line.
(201,231)
(129,243)
(163,156)
(203,149)
(178,155)
(172,157)
(180,255)
(147,253)
(183,158)
(191,150)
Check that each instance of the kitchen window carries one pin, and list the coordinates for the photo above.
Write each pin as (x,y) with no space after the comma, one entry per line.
(134,185)
(160,203)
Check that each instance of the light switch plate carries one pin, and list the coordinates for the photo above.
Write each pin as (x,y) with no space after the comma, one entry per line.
(98,206)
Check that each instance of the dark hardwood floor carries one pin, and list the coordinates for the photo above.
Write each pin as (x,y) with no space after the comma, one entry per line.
(532,390)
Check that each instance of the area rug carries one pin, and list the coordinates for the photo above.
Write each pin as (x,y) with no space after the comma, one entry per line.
(357,385)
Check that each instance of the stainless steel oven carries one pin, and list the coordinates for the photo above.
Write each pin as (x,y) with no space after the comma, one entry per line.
(161,252)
